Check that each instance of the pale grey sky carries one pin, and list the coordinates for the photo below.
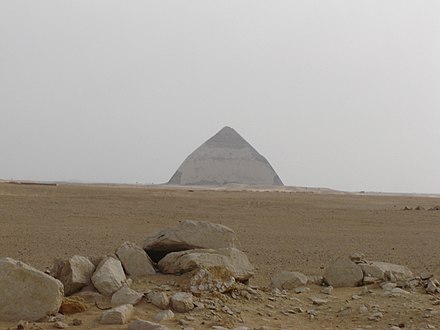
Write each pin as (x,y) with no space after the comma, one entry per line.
(340,94)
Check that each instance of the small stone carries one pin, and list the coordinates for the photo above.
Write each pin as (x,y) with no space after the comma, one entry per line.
(357,257)
(363,309)
(388,286)
(375,316)
(76,322)
(302,289)
(318,301)
(145,325)
(182,302)
(425,276)
(118,315)
(327,290)
(125,295)
(399,291)
(164,316)
(60,325)
(159,299)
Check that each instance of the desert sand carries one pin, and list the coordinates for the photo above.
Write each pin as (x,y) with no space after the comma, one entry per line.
(294,231)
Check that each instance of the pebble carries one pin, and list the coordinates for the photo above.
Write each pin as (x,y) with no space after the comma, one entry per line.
(318,301)
(60,325)
(327,290)
(375,316)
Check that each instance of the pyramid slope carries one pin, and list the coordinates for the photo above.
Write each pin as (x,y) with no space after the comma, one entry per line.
(225,158)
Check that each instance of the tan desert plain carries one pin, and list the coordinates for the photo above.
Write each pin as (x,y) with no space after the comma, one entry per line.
(279,230)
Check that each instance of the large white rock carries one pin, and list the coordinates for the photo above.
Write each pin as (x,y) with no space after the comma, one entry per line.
(189,235)
(232,259)
(134,259)
(74,273)
(27,293)
(289,280)
(382,270)
(125,295)
(146,325)
(118,315)
(225,158)
(109,276)
(343,273)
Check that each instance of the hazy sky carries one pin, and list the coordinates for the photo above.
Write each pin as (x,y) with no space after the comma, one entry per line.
(340,94)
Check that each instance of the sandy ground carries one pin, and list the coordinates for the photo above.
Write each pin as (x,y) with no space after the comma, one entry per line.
(278,230)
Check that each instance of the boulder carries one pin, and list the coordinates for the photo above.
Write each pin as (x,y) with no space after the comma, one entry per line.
(189,235)
(233,260)
(27,293)
(146,325)
(125,296)
(158,299)
(289,280)
(135,260)
(109,276)
(384,270)
(182,302)
(74,273)
(118,315)
(343,273)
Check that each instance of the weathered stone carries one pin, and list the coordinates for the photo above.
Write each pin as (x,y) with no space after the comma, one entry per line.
(145,325)
(231,259)
(72,305)
(27,293)
(388,286)
(109,276)
(327,290)
(302,289)
(74,273)
(125,295)
(357,257)
(289,280)
(217,279)
(318,301)
(60,325)
(135,260)
(343,273)
(384,270)
(158,299)
(189,235)
(431,287)
(164,316)
(182,302)
(118,315)
(375,316)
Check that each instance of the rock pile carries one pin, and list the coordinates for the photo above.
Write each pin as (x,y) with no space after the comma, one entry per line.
(208,253)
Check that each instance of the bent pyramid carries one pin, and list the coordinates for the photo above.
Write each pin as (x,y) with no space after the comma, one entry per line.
(225,158)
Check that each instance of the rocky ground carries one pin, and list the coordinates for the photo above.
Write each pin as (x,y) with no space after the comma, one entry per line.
(278,231)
